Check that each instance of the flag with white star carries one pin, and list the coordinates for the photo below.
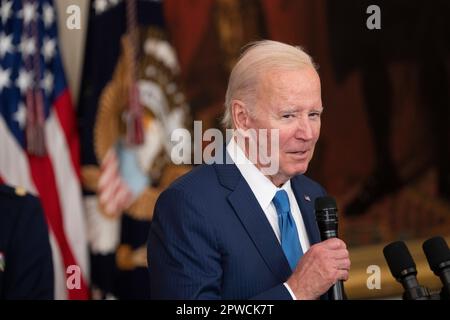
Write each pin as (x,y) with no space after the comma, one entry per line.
(31,81)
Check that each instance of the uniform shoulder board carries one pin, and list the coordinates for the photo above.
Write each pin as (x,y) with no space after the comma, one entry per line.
(20,191)
(8,190)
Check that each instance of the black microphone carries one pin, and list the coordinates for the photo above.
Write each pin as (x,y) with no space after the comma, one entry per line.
(438,256)
(327,220)
(404,270)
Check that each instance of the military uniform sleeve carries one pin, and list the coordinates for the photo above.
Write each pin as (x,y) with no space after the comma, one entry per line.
(29,267)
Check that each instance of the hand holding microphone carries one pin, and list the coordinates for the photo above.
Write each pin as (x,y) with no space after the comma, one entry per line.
(327,220)
(325,264)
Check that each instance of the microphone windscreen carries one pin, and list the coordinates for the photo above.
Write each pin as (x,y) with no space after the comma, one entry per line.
(323,203)
(398,258)
(437,251)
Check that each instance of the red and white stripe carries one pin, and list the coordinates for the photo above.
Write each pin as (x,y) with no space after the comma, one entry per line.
(114,194)
(55,179)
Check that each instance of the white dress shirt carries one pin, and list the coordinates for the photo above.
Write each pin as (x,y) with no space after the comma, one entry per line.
(264,191)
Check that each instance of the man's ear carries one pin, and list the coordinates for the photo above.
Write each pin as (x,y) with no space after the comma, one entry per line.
(240,115)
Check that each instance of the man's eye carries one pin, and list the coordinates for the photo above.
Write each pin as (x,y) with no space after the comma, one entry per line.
(288,115)
(314,115)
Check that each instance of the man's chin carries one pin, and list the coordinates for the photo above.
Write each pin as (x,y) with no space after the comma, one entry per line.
(295,171)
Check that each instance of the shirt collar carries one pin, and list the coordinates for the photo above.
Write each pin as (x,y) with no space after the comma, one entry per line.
(263,189)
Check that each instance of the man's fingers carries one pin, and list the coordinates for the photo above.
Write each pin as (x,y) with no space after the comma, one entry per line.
(340,254)
(343,264)
(343,275)
(334,244)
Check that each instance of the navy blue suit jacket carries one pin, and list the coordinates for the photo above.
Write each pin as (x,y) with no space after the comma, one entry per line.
(210,239)
(26,267)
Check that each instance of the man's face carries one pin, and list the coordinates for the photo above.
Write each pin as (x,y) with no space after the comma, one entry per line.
(290,100)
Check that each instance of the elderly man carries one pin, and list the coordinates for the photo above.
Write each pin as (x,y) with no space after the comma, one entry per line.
(230,231)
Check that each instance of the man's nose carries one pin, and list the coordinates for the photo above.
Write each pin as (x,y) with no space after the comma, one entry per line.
(304,130)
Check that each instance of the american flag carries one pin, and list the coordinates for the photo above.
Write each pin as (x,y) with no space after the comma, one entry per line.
(33,95)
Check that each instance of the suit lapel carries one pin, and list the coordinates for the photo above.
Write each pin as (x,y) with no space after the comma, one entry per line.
(254,220)
(306,204)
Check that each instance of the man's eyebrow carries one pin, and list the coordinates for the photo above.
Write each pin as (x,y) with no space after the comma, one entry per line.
(290,109)
(297,109)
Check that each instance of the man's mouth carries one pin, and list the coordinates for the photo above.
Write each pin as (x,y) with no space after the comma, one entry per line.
(300,153)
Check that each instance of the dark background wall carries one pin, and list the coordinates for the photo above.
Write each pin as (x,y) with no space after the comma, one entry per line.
(384,146)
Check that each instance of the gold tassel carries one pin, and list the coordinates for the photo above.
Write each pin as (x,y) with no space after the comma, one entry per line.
(35,123)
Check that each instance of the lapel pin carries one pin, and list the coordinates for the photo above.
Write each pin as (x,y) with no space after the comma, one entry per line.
(307,198)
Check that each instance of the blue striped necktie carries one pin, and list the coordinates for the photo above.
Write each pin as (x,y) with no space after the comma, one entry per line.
(288,230)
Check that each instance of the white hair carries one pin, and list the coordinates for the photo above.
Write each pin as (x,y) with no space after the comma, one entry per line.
(259,58)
